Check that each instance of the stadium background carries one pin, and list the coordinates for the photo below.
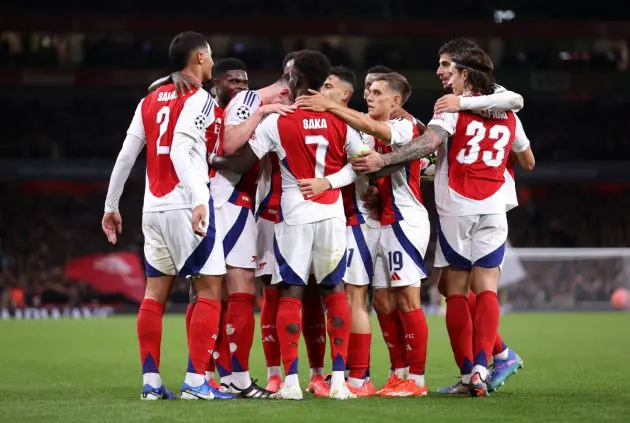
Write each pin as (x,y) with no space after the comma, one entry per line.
(71,74)
(71,77)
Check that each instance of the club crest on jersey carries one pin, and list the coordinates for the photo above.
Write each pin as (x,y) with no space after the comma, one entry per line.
(242,112)
(315,123)
(200,121)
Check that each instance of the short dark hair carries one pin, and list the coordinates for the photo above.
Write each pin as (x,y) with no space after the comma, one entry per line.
(345,74)
(229,63)
(457,46)
(380,69)
(314,66)
(480,70)
(398,83)
(290,56)
(182,47)
(284,80)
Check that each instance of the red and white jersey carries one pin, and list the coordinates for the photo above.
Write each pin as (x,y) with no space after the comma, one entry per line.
(229,186)
(353,204)
(213,132)
(521,143)
(399,193)
(471,165)
(269,189)
(157,118)
(308,145)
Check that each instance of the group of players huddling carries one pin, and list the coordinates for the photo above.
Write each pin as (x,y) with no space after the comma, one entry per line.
(319,201)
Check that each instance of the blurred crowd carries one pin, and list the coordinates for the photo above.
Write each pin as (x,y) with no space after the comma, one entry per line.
(39,233)
(403,53)
(70,128)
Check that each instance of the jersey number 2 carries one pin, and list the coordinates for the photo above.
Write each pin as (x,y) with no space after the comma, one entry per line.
(162,120)
(501,133)
(320,153)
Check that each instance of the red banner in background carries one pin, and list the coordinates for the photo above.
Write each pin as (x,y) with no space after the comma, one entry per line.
(114,273)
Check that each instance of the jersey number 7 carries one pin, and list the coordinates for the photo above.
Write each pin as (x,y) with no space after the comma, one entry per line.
(320,153)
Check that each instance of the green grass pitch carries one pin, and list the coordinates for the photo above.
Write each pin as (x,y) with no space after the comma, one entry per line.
(576,369)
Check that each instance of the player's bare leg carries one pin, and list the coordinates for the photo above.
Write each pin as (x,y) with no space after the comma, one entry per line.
(202,337)
(289,326)
(384,303)
(416,338)
(360,341)
(486,324)
(338,326)
(269,333)
(149,327)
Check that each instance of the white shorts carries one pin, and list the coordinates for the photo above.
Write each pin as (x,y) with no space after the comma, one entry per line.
(363,244)
(266,260)
(400,258)
(321,245)
(467,241)
(171,247)
(240,233)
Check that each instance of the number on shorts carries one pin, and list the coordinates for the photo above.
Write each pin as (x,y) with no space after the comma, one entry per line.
(320,153)
(477,131)
(350,255)
(395,260)
(162,120)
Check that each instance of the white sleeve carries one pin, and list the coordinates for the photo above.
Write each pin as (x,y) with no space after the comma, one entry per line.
(402,131)
(266,138)
(131,148)
(356,141)
(501,100)
(521,142)
(345,176)
(242,106)
(188,174)
(136,127)
(190,129)
(196,115)
(447,121)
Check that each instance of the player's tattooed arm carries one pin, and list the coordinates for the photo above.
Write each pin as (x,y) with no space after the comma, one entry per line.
(418,148)
(240,162)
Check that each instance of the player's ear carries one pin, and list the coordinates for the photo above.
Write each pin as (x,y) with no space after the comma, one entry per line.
(284,92)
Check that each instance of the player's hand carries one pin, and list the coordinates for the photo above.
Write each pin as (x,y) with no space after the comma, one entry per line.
(159,82)
(313,186)
(316,102)
(400,113)
(200,220)
(447,104)
(279,108)
(184,83)
(371,201)
(368,162)
(111,225)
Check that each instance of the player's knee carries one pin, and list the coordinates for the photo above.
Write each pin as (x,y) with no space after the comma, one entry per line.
(382,302)
(210,287)
(159,288)
(408,299)
(240,281)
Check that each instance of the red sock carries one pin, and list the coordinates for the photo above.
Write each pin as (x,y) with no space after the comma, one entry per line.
(486,326)
(288,323)
(189,311)
(460,330)
(338,325)
(499,345)
(149,327)
(416,339)
(268,330)
(314,327)
(472,304)
(241,324)
(223,361)
(359,354)
(204,326)
(393,334)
